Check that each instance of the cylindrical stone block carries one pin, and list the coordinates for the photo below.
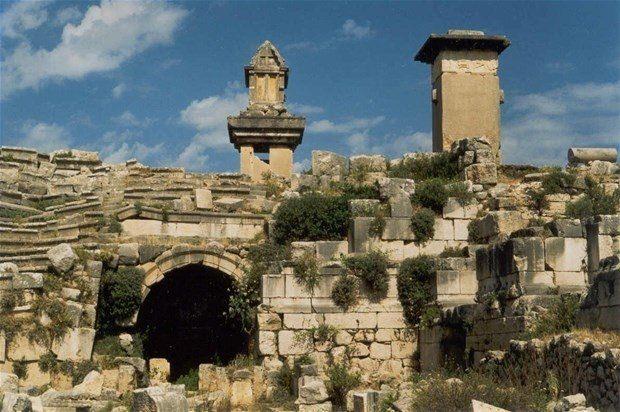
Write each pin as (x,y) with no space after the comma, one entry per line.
(589,154)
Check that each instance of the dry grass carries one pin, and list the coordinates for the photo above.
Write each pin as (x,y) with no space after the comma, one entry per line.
(605,338)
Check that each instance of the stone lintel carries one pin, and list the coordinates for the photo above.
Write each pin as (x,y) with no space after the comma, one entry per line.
(457,40)
(262,132)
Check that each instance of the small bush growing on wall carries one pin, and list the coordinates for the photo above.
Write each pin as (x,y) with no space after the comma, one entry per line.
(593,202)
(377,225)
(424,167)
(561,317)
(345,292)
(371,268)
(423,225)
(306,271)
(20,368)
(414,286)
(431,193)
(243,302)
(341,381)
(190,380)
(119,297)
(312,216)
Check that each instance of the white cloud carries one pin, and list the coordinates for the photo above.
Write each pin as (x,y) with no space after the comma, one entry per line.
(301,166)
(122,151)
(304,109)
(22,16)
(118,90)
(45,137)
(66,15)
(108,35)
(352,30)
(327,126)
(129,119)
(208,118)
(540,127)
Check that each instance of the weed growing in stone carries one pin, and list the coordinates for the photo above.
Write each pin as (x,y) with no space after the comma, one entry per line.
(345,292)
(306,271)
(423,225)
(371,268)
(341,381)
(414,286)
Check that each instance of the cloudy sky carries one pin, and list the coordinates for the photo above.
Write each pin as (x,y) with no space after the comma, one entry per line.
(156,80)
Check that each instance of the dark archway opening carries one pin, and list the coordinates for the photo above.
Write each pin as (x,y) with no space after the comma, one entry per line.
(184,320)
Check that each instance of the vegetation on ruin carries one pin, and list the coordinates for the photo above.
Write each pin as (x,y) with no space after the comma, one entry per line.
(453,392)
(190,380)
(594,201)
(312,216)
(273,186)
(110,346)
(423,225)
(10,299)
(340,382)
(377,225)
(355,191)
(306,271)
(556,181)
(426,166)
(474,232)
(454,252)
(13,214)
(560,317)
(57,312)
(120,296)
(345,292)
(20,368)
(434,193)
(371,268)
(414,286)
(247,296)
(115,225)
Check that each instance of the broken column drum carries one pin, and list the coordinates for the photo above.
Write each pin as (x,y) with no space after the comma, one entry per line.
(266,126)
(465,87)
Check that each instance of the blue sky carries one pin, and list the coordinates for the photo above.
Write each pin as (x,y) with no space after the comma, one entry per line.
(156,81)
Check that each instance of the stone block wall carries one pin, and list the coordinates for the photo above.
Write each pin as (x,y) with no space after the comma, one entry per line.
(601,307)
(588,368)
(372,335)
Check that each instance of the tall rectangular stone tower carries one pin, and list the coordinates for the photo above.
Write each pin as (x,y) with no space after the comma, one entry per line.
(265,126)
(465,86)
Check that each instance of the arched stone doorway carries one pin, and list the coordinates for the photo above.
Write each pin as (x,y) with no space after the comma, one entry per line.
(184,313)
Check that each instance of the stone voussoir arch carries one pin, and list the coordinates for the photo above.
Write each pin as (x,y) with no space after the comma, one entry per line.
(212,256)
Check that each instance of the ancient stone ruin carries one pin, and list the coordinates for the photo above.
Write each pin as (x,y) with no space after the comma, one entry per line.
(360,285)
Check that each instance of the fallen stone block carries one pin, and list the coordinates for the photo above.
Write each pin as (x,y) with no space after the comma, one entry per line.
(62,257)
(329,163)
(160,399)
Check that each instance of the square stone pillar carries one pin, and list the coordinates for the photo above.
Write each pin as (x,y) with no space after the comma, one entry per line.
(247,160)
(466,96)
(281,161)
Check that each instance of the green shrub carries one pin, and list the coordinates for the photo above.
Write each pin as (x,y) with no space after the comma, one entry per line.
(358,191)
(561,317)
(14,213)
(340,382)
(322,333)
(79,370)
(345,292)
(434,393)
(371,268)
(414,286)
(306,271)
(593,202)
(377,225)
(423,225)
(273,186)
(453,252)
(285,381)
(48,362)
(432,194)
(312,216)
(115,226)
(243,361)
(10,299)
(425,166)
(557,181)
(247,294)
(119,297)
(20,368)
(190,380)
(460,192)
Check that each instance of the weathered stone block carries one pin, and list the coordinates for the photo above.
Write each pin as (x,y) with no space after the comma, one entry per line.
(159,370)
(267,344)
(482,173)
(128,254)
(328,163)
(291,343)
(269,321)
(390,320)
(204,199)
(358,234)
(444,229)
(302,320)
(566,228)
(62,257)
(398,229)
(352,320)
(331,250)
(400,206)
(565,254)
